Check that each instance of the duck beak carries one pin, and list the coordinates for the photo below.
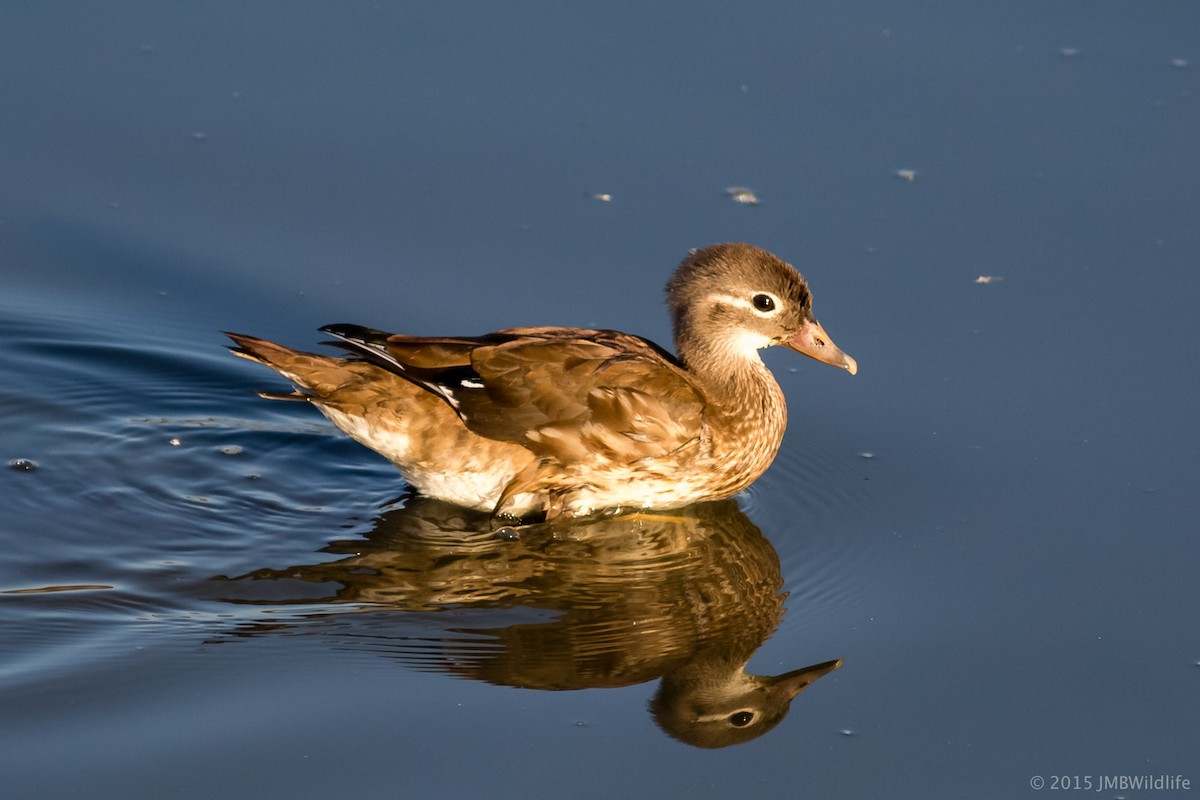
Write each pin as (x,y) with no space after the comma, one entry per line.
(793,683)
(812,340)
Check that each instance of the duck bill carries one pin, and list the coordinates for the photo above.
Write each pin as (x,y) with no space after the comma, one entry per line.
(793,683)
(814,342)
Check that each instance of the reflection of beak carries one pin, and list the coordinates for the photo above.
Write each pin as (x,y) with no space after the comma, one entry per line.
(791,684)
(812,340)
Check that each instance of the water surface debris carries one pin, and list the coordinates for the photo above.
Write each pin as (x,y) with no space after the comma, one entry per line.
(740,194)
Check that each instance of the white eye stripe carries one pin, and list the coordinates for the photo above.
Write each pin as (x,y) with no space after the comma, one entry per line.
(747,303)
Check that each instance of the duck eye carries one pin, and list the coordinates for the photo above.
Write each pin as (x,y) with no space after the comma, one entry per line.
(763,302)
(741,719)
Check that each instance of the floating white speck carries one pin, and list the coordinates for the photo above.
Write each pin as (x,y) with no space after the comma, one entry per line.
(740,194)
(231,450)
(1180,63)
(174,441)
(989,278)
(868,456)
(909,175)
(603,197)
(846,732)
(1068,52)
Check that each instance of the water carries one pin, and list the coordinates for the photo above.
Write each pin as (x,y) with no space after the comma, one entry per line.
(207,593)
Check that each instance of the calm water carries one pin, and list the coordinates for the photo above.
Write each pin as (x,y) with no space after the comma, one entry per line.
(993,525)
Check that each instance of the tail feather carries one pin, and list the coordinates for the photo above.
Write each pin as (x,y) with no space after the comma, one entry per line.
(255,349)
(288,396)
(366,343)
(315,375)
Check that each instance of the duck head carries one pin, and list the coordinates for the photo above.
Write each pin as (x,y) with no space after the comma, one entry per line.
(728,301)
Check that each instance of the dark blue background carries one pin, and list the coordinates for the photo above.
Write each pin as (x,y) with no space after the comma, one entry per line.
(1011,577)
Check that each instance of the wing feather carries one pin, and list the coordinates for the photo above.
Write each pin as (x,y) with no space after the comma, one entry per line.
(569,394)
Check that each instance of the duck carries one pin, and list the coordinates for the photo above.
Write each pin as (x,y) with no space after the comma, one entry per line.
(550,422)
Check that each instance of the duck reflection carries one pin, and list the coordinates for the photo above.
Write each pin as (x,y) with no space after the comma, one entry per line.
(686,596)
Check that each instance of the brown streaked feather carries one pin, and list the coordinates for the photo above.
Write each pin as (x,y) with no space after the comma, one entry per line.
(393,415)
(339,382)
(567,393)
(431,353)
(316,375)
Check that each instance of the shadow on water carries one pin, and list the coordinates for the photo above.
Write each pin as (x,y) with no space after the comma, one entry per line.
(686,597)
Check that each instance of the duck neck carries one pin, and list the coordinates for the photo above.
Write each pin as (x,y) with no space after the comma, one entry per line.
(741,392)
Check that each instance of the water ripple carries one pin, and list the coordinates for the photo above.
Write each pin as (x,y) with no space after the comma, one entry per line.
(816,504)
(156,468)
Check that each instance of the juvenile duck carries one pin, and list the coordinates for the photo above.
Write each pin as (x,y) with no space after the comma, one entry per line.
(568,421)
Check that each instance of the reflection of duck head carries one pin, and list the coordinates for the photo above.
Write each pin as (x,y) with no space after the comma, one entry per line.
(686,596)
(710,702)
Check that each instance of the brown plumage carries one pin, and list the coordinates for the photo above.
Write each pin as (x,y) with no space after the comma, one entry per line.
(528,421)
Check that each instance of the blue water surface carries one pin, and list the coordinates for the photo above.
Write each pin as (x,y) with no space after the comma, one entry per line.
(204,593)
